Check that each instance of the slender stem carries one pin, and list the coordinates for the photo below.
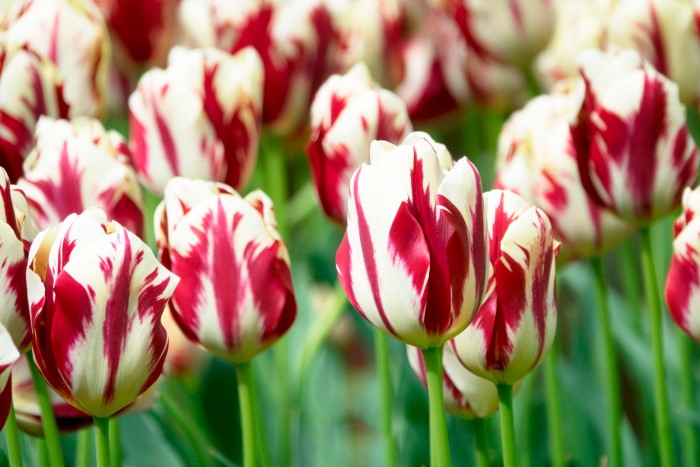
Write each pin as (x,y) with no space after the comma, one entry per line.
(663,426)
(381,350)
(481,442)
(690,451)
(82,448)
(630,280)
(505,406)
(14,451)
(48,419)
(439,443)
(179,416)
(42,452)
(102,441)
(115,443)
(612,383)
(555,427)
(246,396)
(261,444)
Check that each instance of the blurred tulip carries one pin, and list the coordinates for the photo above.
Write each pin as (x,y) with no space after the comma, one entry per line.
(16,235)
(184,357)
(294,40)
(8,356)
(515,325)
(200,118)
(537,161)
(666,33)
(97,295)
(495,85)
(78,165)
(348,113)
(466,395)
(236,297)
(634,151)
(414,257)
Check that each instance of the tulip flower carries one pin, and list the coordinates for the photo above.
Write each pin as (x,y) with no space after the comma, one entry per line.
(97,296)
(347,114)
(184,357)
(536,161)
(78,165)
(667,34)
(200,118)
(634,150)
(8,356)
(236,297)
(16,234)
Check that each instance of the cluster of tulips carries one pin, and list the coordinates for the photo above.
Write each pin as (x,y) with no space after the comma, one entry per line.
(135,138)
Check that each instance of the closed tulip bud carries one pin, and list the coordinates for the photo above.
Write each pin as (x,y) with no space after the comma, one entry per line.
(667,34)
(16,235)
(691,208)
(536,160)
(347,114)
(78,165)
(634,151)
(515,325)
(8,356)
(72,35)
(236,297)
(466,395)
(97,294)
(414,257)
(199,118)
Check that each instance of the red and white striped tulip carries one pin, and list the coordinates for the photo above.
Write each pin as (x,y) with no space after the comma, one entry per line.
(515,325)
(199,118)
(8,356)
(78,165)
(414,259)
(72,35)
(634,151)
(97,294)
(667,34)
(16,234)
(236,297)
(347,114)
(294,39)
(537,161)
(466,394)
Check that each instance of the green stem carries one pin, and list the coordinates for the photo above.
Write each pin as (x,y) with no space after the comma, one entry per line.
(246,397)
(42,452)
(102,441)
(14,451)
(690,451)
(82,448)
(439,443)
(115,443)
(663,426)
(505,406)
(381,350)
(630,280)
(481,442)
(192,432)
(48,419)
(555,428)
(612,383)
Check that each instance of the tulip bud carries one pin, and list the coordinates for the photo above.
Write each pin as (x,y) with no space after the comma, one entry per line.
(347,114)
(414,257)
(515,325)
(634,151)
(184,357)
(236,298)
(16,234)
(8,356)
(78,165)
(97,295)
(200,118)
(466,395)
(536,160)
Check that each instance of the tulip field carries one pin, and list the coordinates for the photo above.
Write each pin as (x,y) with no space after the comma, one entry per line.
(350,233)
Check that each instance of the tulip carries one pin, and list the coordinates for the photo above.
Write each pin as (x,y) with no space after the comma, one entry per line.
(98,294)
(16,234)
(536,161)
(414,257)
(78,165)
(634,150)
(236,297)
(666,33)
(184,357)
(8,356)
(347,114)
(200,118)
